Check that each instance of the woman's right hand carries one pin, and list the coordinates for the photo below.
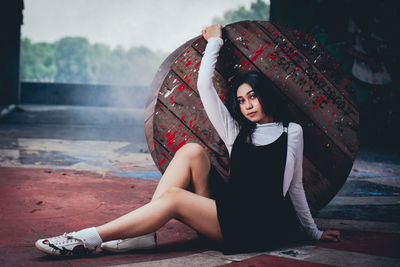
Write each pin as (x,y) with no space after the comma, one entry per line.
(212,31)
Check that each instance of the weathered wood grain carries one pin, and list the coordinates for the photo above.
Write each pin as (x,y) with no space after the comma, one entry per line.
(306,78)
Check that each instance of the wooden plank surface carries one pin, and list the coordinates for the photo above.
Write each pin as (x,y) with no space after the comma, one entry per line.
(306,79)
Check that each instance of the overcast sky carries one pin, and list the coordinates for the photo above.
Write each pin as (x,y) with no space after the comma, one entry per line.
(157,24)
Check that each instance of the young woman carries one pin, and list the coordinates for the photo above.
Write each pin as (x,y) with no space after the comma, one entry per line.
(263,205)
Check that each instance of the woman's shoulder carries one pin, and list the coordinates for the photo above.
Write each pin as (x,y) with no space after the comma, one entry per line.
(295,128)
(295,132)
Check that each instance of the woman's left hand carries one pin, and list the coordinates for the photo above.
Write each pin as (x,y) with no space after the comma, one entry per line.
(331,235)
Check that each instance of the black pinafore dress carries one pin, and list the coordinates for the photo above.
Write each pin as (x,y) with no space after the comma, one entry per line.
(252,211)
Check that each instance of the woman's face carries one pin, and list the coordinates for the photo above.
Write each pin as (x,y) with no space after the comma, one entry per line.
(250,106)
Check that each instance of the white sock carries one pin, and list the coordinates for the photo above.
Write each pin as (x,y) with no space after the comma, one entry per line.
(90,237)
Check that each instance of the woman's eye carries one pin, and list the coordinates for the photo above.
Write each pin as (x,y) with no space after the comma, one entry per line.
(253,96)
(240,101)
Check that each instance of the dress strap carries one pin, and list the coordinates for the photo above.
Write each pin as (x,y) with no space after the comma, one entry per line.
(285,126)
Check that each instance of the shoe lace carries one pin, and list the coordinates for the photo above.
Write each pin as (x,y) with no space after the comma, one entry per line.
(66,238)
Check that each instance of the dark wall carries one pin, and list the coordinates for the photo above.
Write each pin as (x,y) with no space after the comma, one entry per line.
(364,37)
(10,29)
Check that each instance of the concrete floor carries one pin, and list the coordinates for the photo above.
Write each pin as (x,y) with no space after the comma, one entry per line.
(63,168)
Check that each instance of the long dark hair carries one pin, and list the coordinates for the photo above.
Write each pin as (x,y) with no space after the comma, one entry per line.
(263,88)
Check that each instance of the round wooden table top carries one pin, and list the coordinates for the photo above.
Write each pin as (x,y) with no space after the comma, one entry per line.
(307,79)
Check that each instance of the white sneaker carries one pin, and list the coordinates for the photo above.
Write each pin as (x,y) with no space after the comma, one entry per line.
(64,245)
(123,245)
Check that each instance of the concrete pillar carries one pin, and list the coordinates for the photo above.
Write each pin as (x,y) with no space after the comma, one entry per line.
(10,30)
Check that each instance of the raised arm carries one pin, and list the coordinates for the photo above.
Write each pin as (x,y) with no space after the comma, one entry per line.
(218,114)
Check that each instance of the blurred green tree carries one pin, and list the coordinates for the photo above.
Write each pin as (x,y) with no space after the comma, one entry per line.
(75,60)
(37,61)
(259,10)
(72,56)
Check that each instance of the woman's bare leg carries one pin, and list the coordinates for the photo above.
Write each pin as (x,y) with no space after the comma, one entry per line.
(189,167)
(197,211)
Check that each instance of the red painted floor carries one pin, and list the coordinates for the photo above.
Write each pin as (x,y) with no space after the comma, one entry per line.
(273,261)
(378,244)
(38,203)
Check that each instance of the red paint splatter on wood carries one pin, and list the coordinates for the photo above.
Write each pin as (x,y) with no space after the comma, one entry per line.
(244,63)
(188,51)
(182,87)
(182,118)
(155,143)
(162,161)
(189,81)
(191,74)
(259,52)
(188,63)
(198,64)
(269,54)
(292,54)
(171,139)
(318,102)
(333,113)
(301,89)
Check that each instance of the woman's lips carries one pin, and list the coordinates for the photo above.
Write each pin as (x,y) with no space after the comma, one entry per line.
(251,114)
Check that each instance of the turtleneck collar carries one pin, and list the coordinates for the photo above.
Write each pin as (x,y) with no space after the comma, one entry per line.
(268,124)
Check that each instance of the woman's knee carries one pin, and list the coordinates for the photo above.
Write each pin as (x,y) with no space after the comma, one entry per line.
(172,196)
(192,151)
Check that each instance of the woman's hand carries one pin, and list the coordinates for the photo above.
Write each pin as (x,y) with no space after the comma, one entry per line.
(331,235)
(212,31)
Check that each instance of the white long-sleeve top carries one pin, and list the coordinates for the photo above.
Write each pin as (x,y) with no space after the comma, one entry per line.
(264,134)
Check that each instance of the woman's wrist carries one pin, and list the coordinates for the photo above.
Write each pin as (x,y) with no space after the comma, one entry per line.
(318,235)
(217,39)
